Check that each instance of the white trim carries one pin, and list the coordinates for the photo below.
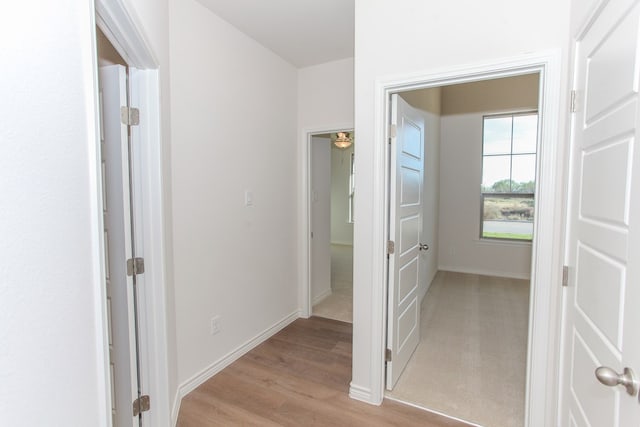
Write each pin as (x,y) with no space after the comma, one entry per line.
(121,26)
(482,272)
(433,411)
(304,260)
(362,394)
(319,298)
(543,346)
(94,159)
(217,366)
(122,30)
(342,243)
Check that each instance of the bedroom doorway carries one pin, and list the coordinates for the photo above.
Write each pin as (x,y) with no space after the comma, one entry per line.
(331,207)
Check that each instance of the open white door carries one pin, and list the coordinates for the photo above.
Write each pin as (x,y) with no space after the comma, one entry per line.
(118,238)
(601,312)
(405,227)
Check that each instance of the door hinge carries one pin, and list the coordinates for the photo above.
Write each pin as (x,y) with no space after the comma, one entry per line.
(391,247)
(565,275)
(387,355)
(135,266)
(141,404)
(574,101)
(393,131)
(130,116)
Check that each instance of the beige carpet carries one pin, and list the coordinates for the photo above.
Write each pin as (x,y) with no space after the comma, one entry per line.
(339,305)
(471,360)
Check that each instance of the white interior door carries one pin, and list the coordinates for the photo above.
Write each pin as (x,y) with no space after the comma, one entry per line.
(118,238)
(405,227)
(601,302)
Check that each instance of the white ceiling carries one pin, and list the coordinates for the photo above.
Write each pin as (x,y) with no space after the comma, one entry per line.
(303,32)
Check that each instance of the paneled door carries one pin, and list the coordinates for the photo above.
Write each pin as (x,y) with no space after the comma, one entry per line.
(121,292)
(405,227)
(601,345)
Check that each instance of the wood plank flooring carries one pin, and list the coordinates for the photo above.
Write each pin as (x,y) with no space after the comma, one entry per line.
(299,377)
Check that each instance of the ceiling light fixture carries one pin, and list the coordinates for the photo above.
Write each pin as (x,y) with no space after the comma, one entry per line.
(342,139)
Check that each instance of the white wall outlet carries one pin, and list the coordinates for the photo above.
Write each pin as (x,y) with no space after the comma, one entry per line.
(215,325)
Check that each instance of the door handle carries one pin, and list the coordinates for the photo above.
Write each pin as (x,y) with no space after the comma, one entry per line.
(424,247)
(611,378)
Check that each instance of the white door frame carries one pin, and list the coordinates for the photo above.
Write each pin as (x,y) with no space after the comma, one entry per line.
(124,34)
(544,314)
(304,260)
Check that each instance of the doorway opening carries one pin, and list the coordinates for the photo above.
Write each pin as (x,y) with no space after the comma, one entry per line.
(478,146)
(331,205)
(545,285)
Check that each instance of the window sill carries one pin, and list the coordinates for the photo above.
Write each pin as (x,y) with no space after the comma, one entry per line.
(503,242)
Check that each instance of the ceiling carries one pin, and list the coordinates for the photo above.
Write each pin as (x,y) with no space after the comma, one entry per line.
(303,32)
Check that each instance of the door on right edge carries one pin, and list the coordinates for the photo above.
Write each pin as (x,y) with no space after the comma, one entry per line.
(601,304)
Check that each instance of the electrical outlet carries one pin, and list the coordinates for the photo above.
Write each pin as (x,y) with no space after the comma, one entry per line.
(215,325)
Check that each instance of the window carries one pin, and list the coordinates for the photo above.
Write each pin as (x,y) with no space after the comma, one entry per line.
(508,176)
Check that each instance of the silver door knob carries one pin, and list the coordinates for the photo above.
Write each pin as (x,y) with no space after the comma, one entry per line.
(423,247)
(611,378)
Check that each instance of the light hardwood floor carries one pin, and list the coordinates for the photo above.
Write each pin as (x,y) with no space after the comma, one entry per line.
(299,377)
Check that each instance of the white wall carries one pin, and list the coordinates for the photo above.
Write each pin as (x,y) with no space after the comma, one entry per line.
(51,311)
(321,204)
(423,37)
(341,228)
(463,109)
(461,248)
(325,96)
(325,103)
(233,110)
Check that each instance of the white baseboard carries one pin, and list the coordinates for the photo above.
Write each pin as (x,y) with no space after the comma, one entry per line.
(507,274)
(342,243)
(198,379)
(321,297)
(362,394)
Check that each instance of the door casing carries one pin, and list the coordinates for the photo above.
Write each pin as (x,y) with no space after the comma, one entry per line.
(547,249)
(118,26)
(304,260)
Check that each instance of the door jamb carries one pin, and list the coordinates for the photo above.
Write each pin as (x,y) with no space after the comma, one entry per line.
(124,33)
(545,296)
(304,261)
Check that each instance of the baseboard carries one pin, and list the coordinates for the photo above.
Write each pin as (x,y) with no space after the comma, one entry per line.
(198,379)
(321,297)
(175,411)
(481,272)
(342,243)
(413,405)
(362,394)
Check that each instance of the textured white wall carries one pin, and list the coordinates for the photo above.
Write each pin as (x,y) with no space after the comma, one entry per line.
(51,312)
(424,37)
(321,204)
(233,110)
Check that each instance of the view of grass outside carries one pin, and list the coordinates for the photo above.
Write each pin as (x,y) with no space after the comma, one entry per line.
(507,216)
(508,176)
